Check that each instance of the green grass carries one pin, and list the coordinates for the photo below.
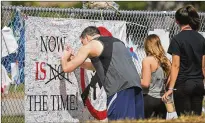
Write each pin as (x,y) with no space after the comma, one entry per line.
(12,119)
(15,92)
(21,119)
(19,88)
(204,102)
(184,119)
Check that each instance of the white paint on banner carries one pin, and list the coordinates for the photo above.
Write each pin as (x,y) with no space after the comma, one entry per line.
(54,97)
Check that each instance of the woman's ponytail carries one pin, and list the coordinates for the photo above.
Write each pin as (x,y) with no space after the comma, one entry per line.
(188,15)
(194,20)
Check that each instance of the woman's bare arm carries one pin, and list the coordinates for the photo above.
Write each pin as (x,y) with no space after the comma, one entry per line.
(146,73)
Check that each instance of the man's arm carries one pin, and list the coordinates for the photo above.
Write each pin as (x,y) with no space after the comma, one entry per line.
(174,70)
(69,66)
(169,78)
(92,49)
(88,65)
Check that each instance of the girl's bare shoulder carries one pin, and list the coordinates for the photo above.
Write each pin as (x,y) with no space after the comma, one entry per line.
(149,58)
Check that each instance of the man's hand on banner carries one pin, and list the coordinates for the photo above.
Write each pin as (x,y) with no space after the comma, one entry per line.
(68,53)
(72,57)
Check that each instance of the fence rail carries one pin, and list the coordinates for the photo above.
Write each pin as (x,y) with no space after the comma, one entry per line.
(139,23)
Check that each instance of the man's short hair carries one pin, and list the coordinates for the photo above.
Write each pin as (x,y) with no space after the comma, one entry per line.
(91,31)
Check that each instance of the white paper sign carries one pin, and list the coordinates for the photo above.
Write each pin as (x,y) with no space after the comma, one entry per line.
(52,96)
(9,42)
(15,73)
(203,34)
(164,37)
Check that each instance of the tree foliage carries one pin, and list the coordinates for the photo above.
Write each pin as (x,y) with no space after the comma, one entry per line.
(124,5)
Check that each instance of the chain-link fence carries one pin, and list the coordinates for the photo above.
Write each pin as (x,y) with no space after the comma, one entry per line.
(139,23)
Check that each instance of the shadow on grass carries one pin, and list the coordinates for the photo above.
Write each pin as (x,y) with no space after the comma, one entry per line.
(182,119)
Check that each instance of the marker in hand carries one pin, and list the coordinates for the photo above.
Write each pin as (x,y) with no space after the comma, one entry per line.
(69,51)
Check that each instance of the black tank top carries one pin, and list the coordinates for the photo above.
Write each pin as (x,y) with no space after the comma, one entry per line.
(115,67)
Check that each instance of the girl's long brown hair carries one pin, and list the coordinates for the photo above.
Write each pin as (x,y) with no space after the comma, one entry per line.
(154,48)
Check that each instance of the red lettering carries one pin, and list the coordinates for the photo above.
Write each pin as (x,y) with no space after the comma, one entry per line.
(36,70)
(42,70)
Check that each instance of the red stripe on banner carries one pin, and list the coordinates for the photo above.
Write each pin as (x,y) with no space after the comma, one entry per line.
(99,115)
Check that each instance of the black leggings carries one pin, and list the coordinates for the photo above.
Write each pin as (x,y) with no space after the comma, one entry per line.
(154,107)
(188,97)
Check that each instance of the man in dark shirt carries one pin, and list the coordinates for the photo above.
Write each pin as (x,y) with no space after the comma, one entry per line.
(116,72)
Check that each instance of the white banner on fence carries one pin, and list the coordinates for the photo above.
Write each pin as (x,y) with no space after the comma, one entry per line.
(52,96)
(164,37)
